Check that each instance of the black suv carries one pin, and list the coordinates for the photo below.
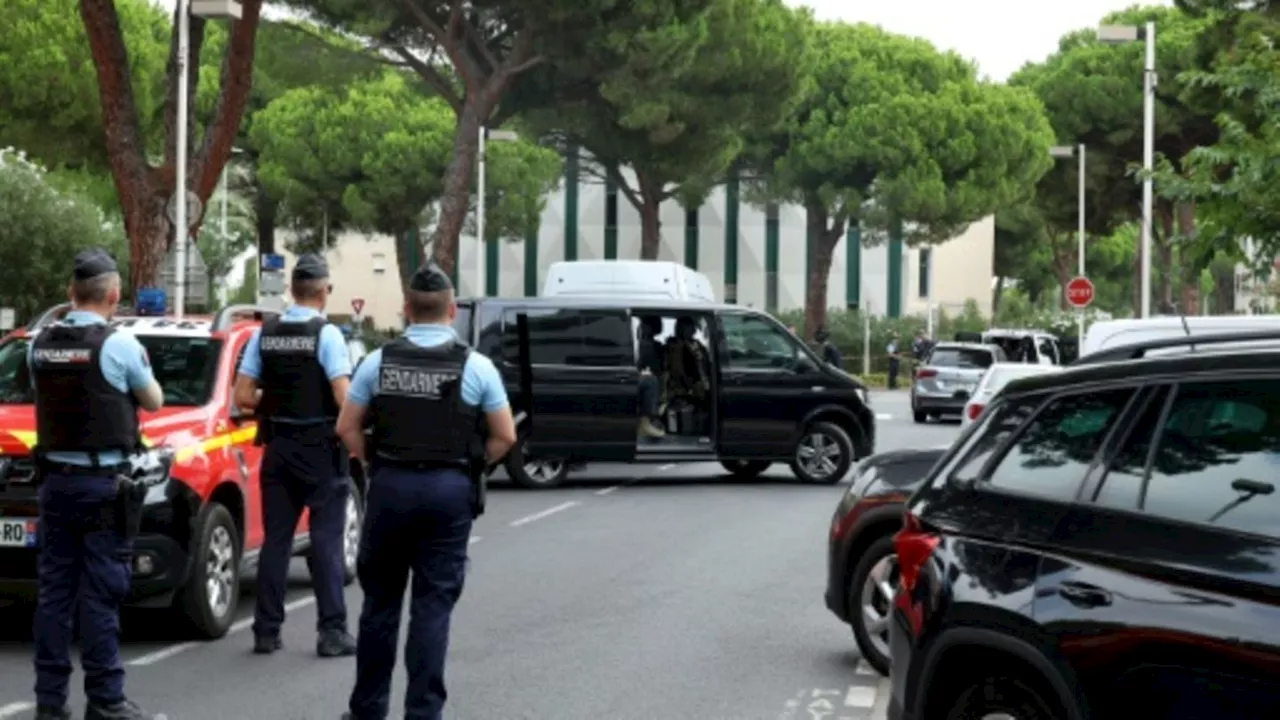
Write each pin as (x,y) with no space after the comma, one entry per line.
(1103,543)
(750,392)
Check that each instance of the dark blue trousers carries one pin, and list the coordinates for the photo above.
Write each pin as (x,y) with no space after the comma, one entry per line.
(83,564)
(417,522)
(301,469)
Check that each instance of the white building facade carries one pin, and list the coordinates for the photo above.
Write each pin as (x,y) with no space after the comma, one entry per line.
(753,256)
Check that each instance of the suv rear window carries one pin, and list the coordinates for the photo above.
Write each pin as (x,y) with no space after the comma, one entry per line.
(969,358)
(185,367)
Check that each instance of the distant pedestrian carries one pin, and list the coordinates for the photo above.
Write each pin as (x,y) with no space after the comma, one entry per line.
(895,359)
(830,353)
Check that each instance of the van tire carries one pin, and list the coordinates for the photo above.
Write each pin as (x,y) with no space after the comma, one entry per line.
(746,469)
(535,473)
(216,535)
(833,443)
(920,417)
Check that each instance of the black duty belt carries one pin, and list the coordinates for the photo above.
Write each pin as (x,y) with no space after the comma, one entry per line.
(461,465)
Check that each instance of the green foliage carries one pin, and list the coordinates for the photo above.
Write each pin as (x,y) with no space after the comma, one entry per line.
(43,228)
(247,293)
(891,128)
(676,106)
(49,102)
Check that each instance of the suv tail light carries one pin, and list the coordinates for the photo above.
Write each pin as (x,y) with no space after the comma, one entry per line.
(975,410)
(926,373)
(914,544)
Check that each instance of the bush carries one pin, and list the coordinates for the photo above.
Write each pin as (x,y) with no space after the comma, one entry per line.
(42,226)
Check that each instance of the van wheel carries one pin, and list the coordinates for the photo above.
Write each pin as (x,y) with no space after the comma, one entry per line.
(746,469)
(1003,695)
(823,454)
(535,473)
(213,591)
(920,417)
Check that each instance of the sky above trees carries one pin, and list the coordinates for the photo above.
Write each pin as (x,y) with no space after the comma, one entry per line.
(1001,35)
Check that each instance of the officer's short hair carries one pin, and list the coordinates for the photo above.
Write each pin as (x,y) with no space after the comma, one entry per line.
(94,290)
(425,307)
(308,289)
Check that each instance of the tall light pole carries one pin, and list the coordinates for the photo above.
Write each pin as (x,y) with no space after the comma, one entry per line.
(1066,151)
(499,136)
(209,9)
(1147,33)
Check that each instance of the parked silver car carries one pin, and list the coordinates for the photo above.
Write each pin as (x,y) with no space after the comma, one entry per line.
(949,375)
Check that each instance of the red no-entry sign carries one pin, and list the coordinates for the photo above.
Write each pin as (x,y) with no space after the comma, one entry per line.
(357,304)
(1080,292)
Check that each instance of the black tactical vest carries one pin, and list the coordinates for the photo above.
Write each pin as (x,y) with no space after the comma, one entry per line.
(294,383)
(76,408)
(418,415)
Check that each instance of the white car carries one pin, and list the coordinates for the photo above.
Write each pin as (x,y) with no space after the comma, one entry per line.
(996,377)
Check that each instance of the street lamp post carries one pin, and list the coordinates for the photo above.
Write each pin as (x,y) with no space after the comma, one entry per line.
(1147,33)
(498,136)
(1066,151)
(210,9)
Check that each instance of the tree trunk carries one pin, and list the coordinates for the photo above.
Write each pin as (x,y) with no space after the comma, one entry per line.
(1224,290)
(1064,262)
(650,209)
(147,225)
(815,291)
(1162,267)
(1186,215)
(455,202)
(996,295)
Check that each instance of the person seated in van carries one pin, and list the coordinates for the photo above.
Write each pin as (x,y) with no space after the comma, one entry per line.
(687,362)
(649,360)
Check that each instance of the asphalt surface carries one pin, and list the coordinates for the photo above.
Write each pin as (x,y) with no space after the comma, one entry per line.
(633,593)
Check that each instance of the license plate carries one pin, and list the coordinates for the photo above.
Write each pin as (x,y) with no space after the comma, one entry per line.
(17,532)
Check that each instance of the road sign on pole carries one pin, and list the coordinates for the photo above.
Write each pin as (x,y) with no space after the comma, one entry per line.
(194,208)
(357,305)
(1080,292)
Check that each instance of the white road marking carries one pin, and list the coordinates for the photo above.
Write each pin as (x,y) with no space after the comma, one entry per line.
(860,696)
(545,513)
(607,490)
(237,627)
(883,416)
(474,539)
(12,709)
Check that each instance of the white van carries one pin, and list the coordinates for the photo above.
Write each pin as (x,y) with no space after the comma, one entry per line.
(1106,334)
(630,278)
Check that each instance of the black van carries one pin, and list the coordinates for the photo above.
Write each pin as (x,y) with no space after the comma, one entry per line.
(570,366)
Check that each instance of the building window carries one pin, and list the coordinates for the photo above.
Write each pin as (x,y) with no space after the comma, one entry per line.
(926,260)
(379,263)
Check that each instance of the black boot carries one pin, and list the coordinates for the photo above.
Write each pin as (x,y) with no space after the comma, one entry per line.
(335,643)
(266,644)
(123,710)
(50,712)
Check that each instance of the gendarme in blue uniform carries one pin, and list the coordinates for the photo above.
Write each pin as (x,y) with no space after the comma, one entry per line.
(425,394)
(293,360)
(85,376)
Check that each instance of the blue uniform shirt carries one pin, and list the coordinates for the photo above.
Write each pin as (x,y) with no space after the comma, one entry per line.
(481,385)
(124,364)
(332,349)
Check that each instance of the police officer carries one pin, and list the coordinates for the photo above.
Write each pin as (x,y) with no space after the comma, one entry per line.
(89,382)
(429,398)
(301,364)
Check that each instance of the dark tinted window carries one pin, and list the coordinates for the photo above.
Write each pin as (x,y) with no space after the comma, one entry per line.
(1123,483)
(1003,422)
(1218,459)
(592,338)
(490,340)
(1051,455)
(961,358)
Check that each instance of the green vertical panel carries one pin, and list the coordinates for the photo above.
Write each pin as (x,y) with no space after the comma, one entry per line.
(571,177)
(893,304)
(691,221)
(531,263)
(732,192)
(853,265)
(771,230)
(492,251)
(610,219)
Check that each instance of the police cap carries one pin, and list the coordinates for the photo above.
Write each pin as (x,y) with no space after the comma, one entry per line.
(93,262)
(430,278)
(310,267)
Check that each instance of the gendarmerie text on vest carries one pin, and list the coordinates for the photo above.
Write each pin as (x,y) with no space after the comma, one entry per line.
(415,382)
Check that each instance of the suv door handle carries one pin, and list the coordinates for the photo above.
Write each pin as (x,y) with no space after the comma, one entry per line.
(1084,595)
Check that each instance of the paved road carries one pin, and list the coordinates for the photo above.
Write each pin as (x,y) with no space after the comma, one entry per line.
(634,593)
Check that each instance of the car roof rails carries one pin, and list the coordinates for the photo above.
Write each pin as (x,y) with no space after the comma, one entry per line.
(1137,351)
(49,317)
(233,313)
